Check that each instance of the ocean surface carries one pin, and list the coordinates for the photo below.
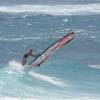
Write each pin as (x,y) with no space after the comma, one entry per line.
(71,73)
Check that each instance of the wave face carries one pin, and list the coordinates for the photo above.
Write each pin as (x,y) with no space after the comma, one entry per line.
(71,73)
(72,82)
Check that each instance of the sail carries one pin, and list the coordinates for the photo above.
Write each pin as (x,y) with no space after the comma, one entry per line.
(51,49)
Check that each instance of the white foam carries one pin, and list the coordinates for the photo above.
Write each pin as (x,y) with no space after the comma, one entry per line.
(8,98)
(84,98)
(29,24)
(65,20)
(16,66)
(50,98)
(93,37)
(18,98)
(19,39)
(95,66)
(52,80)
(80,9)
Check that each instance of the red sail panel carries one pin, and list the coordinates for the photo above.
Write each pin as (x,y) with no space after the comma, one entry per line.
(50,50)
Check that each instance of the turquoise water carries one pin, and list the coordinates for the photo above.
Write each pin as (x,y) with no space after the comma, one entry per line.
(72,73)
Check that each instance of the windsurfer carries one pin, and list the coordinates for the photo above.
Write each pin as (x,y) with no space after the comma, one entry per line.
(26,55)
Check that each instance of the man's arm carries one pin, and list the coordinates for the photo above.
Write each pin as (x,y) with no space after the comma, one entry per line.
(34,55)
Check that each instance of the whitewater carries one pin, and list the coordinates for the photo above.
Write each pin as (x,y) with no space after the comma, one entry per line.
(54,9)
(71,73)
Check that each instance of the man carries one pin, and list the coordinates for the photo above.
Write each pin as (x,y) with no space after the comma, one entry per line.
(26,55)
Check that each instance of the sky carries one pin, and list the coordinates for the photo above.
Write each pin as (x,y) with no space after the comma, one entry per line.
(47,1)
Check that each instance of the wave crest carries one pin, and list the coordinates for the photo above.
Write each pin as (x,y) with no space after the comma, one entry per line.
(86,9)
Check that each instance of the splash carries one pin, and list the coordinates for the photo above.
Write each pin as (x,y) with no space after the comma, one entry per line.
(16,66)
(53,80)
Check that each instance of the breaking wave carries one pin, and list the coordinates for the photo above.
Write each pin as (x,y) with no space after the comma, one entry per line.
(80,9)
